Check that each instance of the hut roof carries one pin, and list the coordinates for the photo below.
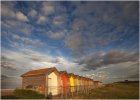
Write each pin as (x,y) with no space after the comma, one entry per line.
(80,76)
(70,74)
(39,71)
(76,75)
(63,72)
(97,81)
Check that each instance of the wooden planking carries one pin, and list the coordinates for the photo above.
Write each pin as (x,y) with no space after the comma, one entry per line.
(33,80)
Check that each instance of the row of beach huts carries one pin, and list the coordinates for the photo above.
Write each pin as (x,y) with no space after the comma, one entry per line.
(50,80)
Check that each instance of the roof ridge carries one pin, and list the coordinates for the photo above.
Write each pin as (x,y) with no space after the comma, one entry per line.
(38,71)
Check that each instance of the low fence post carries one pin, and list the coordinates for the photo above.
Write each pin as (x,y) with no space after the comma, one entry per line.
(72,91)
(77,90)
(61,92)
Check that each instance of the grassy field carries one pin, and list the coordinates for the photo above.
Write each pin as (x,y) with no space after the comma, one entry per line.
(115,91)
(109,91)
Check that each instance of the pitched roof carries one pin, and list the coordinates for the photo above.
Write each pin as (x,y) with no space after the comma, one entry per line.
(62,72)
(76,75)
(38,71)
(70,74)
(97,81)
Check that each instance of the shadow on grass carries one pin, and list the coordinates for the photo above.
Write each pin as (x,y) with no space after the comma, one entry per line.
(9,97)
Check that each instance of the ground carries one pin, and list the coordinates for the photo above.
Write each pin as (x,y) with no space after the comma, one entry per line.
(115,91)
(108,91)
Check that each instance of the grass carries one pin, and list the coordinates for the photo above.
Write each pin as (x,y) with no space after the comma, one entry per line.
(27,94)
(115,91)
(24,94)
(109,91)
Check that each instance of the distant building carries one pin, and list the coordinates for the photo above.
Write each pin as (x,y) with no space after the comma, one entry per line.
(126,81)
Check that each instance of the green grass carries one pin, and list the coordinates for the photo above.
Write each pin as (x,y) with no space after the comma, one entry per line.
(9,97)
(115,91)
(27,94)
(109,91)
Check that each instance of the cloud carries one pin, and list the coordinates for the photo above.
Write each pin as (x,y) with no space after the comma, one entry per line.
(59,20)
(134,76)
(74,41)
(32,41)
(94,61)
(27,59)
(79,24)
(80,42)
(8,63)
(42,20)
(32,13)
(115,13)
(28,41)
(48,8)
(11,23)
(3,77)
(48,60)
(21,17)
(7,9)
(27,29)
(56,35)
(120,56)
(99,37)
(130,11)
(21,59)
(20,27)
(84,9)
(115,72)
(10,82)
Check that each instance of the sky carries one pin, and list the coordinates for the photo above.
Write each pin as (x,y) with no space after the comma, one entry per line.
(99,40)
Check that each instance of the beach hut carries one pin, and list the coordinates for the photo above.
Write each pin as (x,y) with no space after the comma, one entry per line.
(81,83)
(92,83)
(97,83)
(71,80)
(64,82)
(100,84)
(42,80)
(88,83)
(77,82)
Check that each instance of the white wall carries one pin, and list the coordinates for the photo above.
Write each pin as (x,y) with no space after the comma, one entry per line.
(52,83)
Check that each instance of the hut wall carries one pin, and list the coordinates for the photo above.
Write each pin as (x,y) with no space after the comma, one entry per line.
(72,83)
(35,82)
(53,83)
(65,83)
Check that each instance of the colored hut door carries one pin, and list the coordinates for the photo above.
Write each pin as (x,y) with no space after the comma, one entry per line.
(52,84)
(65,84)
(72,84)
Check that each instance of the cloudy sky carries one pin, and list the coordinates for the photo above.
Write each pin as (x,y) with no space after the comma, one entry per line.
(99,40)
